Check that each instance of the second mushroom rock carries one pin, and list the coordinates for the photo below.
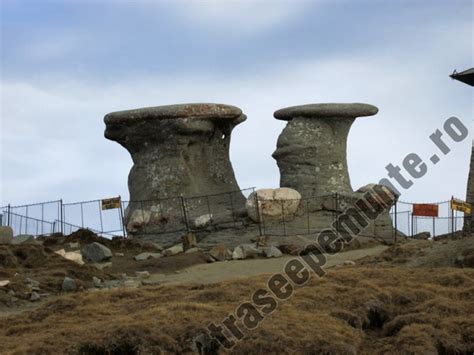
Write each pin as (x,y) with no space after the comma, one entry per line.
(311,150)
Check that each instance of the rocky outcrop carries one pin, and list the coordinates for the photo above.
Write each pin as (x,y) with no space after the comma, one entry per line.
(176,150)
(311,150)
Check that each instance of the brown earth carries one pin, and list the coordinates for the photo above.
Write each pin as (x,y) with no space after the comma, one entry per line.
(351,310)
(408,298)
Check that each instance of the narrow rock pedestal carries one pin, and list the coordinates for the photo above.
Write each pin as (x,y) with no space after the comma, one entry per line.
(176,150)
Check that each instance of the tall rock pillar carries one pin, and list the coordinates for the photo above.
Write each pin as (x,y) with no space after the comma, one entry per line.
(311,150)
(177,150)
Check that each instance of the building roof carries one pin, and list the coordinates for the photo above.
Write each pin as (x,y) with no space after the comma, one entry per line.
(466,76)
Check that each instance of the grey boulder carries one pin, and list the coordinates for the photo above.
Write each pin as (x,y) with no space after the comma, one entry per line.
(6,235)
(96,252)
(69,285)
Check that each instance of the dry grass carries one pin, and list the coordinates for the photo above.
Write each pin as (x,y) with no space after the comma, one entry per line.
(355,309)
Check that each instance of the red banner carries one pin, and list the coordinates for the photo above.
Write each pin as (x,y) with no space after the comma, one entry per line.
(425,210)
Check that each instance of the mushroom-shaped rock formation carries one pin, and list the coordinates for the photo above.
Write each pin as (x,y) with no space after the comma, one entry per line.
(177,150)
(311,150)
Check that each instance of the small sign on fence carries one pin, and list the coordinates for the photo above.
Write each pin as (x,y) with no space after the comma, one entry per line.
(111,203)
(425,210)
(459,205)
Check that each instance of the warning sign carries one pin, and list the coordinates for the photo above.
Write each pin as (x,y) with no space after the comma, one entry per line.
(111,203)
(459,205)
(425,210)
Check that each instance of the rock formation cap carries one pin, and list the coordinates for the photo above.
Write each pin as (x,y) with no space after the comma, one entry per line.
(330,110)
(194,110)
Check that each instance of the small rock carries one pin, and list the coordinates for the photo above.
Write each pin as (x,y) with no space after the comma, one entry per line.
(192,250)
(203,221)
(245,251)
(142,274)
(96,252)
(34,296)
(4,283)
(349,262)
(237,254)
(6,235)
(102,266)
(273,252)
(119,254)
(32,282)
(149,245)
(146,256)
(69,285)
(60,252)
(220,252)
(23,239)
(75,256)
(97,282)
(173,250)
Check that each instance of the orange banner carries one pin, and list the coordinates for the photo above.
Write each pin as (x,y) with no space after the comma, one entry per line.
(425,210)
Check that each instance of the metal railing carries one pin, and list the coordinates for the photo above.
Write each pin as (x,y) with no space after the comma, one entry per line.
(224,210)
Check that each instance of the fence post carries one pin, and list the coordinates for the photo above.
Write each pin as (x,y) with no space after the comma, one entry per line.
(122,221)
(434,228)
(82,215)
(8,215)
(259,221)
(100,215)
(185,215)
(395,219)
(61,221)
(42,217)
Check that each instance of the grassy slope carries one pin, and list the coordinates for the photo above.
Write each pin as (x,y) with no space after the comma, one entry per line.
(366,309)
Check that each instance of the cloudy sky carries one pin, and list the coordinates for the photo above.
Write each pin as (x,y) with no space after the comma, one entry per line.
(66,63)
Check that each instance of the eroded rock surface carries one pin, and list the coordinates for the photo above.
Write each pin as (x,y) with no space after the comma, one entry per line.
(176,150)
(311,150)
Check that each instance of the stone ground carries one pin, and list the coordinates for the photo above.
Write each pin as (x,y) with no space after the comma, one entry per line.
(217,272)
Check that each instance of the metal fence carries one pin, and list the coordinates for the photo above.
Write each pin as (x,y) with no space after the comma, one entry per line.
(58,217)
(447,222)
(224,210)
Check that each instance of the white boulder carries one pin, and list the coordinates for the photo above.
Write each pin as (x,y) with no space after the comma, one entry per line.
(203,221)
(274,203)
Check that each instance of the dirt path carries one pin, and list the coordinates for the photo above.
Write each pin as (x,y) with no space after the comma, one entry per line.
(220,271)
